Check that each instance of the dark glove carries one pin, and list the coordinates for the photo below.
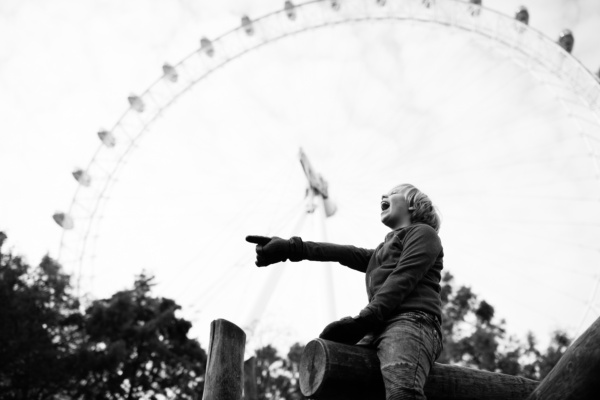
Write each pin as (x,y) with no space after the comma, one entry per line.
(271,250)
(349,330)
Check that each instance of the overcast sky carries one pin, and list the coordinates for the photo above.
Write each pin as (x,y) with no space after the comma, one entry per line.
(222,162)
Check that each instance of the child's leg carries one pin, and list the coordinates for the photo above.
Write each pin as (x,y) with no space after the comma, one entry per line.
(407,348)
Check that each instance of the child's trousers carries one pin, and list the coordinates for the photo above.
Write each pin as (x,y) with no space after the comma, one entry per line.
(407,348)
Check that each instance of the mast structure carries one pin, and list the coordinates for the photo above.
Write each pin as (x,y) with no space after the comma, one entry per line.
(318,202)
(319,205)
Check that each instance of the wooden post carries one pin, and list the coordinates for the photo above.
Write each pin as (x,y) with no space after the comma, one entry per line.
(224,368)
(331,371)
(250,389)
(577,373)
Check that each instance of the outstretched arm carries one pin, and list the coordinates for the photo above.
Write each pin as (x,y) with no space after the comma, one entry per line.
(270,250)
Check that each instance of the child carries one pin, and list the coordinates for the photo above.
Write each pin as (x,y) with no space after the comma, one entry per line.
(403,317)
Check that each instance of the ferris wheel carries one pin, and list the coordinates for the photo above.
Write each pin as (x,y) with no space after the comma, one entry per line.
(498,123)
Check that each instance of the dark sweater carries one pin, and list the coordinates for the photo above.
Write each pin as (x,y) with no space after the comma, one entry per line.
(402,274)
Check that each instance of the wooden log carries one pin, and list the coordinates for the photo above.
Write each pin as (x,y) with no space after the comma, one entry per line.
(224,368)
(331,371)
(577,373)
(250,389)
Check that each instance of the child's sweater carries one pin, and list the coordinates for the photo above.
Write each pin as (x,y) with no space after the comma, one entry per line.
(402,274)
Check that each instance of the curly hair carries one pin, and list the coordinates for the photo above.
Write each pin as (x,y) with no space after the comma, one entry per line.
(420,207)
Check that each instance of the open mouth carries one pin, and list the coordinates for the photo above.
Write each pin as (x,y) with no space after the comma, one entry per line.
(385,205)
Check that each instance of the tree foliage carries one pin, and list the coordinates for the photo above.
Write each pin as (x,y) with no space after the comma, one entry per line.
(129,346)
(278,377)
(136,347)
(37,328)
(473,337)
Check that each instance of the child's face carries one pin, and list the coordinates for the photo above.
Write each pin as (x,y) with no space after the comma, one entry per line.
(394,209)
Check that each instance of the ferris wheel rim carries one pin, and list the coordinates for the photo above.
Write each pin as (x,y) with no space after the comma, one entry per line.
(137,136)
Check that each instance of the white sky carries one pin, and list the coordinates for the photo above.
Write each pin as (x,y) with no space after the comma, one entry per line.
(66,68)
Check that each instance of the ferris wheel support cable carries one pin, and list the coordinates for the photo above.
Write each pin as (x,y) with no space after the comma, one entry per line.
(513,227)
(512,271)
(458,120)
(502,86)
(260,304)
(464,145)
(453,92)
(585,138)
(190,284)
(501,165)
(211,295)
(241,215)
(218,282)
(474,255)
(221,280)
(510,276)
(440,92)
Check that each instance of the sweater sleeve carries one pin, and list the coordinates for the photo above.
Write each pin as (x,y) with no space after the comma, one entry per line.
(350,256)
(420,250)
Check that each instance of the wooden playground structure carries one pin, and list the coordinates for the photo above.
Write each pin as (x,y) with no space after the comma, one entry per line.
(333,371)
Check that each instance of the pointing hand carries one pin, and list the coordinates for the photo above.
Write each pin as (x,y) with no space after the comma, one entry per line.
(270,250)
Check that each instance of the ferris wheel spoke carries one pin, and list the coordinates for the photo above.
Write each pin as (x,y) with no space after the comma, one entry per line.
(465,146)
(228,233)
(525,231)
(509,271)
(509,279)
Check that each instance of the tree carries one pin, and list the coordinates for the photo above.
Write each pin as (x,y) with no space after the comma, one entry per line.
(473,338)
(278,378)
(38,321)
(136,347)
(540,364)
(131,345)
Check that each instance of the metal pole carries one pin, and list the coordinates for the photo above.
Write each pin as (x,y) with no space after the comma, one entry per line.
(327,269)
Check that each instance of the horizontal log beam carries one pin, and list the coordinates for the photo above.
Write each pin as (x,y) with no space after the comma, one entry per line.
(331,371)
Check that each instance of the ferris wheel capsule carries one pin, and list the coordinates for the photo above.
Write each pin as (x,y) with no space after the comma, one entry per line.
(247,25)
(289,9)
(475,7)
(63,220)
(330,207)
(207,47)
(566,40)
(136,103)
(107,138)
(522,15)
(82,177)
(170,73)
